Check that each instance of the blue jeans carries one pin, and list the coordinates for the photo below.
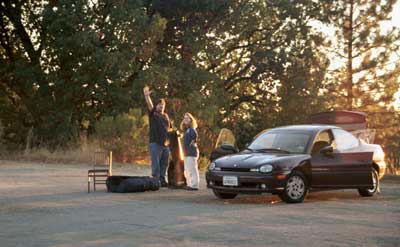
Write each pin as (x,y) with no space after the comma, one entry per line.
(159,161)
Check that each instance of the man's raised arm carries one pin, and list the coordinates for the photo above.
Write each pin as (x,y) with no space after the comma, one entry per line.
(146,92)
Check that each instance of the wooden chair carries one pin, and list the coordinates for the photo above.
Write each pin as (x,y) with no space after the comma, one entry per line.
(102,169)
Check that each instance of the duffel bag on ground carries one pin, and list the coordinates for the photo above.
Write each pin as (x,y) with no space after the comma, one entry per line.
(128,184)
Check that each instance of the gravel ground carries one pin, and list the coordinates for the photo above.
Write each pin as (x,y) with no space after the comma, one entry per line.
(48,205)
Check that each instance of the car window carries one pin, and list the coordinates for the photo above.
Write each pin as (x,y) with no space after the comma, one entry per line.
(344,140)
(322,140)
(289,141)
(324,136)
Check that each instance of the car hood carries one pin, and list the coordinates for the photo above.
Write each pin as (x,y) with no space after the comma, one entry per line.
(257,159)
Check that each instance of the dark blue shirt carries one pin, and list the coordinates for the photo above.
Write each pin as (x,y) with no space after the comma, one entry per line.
(189,143)
(159,125)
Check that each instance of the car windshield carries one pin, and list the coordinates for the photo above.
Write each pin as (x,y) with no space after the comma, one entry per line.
(285,142)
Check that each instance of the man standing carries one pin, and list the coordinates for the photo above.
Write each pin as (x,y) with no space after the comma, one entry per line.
(159,127)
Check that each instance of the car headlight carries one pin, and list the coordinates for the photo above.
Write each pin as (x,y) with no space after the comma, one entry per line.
(211,166)
(266,168)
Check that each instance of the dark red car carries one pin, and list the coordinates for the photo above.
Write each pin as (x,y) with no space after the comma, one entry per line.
(289,161)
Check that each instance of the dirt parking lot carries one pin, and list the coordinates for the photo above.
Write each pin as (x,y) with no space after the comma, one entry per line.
(48,205)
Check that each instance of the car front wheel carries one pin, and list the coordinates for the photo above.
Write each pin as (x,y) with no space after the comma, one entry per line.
(221,195)
(295,189)
(374,189)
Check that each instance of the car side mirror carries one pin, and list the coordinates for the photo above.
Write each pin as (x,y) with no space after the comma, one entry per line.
(328,150)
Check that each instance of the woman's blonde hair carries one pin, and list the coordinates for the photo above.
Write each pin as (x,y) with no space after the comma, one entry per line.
(193,122)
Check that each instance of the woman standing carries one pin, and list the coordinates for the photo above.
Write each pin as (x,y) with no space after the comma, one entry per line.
(191,152)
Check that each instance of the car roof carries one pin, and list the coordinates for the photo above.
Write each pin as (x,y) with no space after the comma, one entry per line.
(306,127)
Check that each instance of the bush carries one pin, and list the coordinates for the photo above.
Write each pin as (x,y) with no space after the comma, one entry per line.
(203,163)
(59,155)
(126,135)
(2,147)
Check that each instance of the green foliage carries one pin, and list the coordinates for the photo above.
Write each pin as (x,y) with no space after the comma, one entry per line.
(203,163)
(125,134)
(271,66)
(91,60)
(392,152)
(65,63)
(68,66)
(1,137)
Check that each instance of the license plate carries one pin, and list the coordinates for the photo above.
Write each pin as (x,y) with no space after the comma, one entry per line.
(230,181)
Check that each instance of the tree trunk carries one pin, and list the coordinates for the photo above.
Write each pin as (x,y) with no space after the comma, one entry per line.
(349,37)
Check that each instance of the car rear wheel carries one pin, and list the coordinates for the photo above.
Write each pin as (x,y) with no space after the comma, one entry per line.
(221,195)
(374,189)
(295,189)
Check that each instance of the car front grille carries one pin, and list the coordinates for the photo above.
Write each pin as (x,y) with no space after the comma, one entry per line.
(234,169)
(241,185)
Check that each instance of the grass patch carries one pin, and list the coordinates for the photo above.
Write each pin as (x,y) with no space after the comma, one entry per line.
(80,155)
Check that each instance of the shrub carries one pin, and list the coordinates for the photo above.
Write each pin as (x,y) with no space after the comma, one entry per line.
(203,163)
(126,135)
(2,147)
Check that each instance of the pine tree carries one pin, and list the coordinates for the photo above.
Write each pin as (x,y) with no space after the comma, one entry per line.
(370,77)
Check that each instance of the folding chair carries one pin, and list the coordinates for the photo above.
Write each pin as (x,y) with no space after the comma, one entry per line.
(102,169)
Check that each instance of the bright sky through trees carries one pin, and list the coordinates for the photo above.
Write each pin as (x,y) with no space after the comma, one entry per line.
(337,62)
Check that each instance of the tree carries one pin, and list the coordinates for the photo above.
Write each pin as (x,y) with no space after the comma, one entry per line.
(243,64)
(370,77)
(269,63)
(68,62)
(235,55)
